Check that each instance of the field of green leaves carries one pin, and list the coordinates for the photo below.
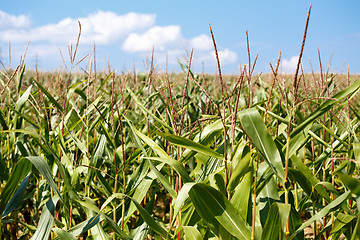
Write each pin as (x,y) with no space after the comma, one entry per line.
(179,156)
(101,155)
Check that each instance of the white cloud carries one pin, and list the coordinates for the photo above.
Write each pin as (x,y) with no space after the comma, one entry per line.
(226,57)
(136,33)
(65,30)
(105,27)
(158,37)
(204,51)
(8,21)
(201,43)
(101,27)
(44,51)
(289,66)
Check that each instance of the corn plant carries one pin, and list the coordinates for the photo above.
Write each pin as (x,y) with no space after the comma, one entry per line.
(179,156)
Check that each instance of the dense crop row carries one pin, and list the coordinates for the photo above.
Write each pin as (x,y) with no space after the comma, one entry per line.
(154,156)
(179,156)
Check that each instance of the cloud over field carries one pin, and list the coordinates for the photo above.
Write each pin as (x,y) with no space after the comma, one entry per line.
(289,65)
(101,27)
(133,34)
(201,42)
(169,41)
(159,37)
(204,51)
(8,21)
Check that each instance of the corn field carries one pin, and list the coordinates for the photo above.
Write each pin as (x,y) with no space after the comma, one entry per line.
(89,155)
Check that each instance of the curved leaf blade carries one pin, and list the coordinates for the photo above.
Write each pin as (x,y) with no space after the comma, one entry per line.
(51,98)
(63,235)
(239,171)
(177,166)
(217,211)
(191,233)
(256,130)
(327,209)
(44,169)
(145,110)
(276,221)
(327,105)
(21,169)
(46,220)
(189,144)
(17,197)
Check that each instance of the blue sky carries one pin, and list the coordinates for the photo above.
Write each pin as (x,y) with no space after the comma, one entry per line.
(125,32)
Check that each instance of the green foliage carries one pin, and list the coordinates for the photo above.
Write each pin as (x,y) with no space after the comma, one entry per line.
(163,156)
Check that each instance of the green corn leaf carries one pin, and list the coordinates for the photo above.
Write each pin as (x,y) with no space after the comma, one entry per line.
(177,166)
(20,114)
(104,82)
(218,213)
(241,198)
(113,225)
(97,157)
(142,189)
(144,214)
(108,200)
(46,220)
(72,121)
(23,99)
(44,169)
(298,141)
(275,224)
(305,171)
(239,171)
(81,93)
(105,185)
(191,233)
(335,145)
(97,232)
(22,149)
(254,127)
(205,137)
(78,142)
(156,148)
(140,192)
(296,176)
(182,196)
(99,151)
(341,221)
(107,135)
(17,197)
(63,235)
(326,210)
(138,176)
(351,183)
(85,225)
(141,232)
(267,197)
(149,220)
(20,78)
(356,230)
(164,181)
(283,120)
(21,169)
(356,147)
(2,121)
(327,105)
(51,98)
(189,144)
(138,103)
(164,157)
(63,171)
